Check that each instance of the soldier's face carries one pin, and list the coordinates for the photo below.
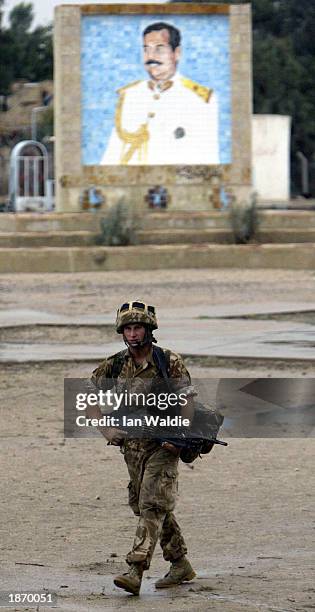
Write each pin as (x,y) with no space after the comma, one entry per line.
(159,58)
(134,333)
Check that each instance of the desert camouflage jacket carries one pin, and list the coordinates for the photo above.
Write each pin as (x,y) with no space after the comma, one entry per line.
(138,379)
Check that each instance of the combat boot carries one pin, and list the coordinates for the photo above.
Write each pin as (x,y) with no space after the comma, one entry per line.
(180,571)
(131,580)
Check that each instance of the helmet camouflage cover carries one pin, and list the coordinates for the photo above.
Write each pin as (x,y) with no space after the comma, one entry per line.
(135,312)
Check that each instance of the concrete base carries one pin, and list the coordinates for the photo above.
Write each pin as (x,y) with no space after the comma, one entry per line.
(222,236)
(47,239)
(156,236)
(50,222)
(53,242)
(185,236)
(82,239)
(154,257)
(150,220)
(286,235)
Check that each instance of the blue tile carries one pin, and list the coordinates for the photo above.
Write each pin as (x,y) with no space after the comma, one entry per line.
(107,41)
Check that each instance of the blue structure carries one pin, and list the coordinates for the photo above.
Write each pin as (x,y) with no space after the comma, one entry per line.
(111,57)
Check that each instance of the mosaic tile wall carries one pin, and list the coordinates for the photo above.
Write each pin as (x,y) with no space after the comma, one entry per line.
(111,57)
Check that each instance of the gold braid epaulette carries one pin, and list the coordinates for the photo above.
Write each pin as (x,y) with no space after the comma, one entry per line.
(122,90)
(137,140)
(202,91)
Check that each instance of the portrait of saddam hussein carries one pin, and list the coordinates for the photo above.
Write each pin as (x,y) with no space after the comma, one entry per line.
(166,118)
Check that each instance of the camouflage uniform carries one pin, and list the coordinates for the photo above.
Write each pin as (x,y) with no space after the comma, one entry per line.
(152,469)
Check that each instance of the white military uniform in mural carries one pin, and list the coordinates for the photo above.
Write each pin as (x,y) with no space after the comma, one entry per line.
(174,122)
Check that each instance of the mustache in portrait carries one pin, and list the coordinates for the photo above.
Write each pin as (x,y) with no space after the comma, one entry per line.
(153,63)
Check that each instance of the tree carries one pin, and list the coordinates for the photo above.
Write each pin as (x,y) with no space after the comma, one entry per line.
(284,66)
(21,18)
(27,53)
(38,64)
(1,7)
(6,72)
(6,68)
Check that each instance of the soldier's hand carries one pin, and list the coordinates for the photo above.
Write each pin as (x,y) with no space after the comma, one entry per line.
(93,412)
(175,450)
(114,436)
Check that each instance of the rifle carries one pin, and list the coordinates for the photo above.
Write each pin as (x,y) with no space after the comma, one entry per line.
(193,442)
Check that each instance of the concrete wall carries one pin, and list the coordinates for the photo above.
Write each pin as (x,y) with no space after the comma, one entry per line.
(271,156)
(189,187)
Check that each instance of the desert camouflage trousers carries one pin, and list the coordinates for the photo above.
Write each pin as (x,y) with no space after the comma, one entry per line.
(152,493)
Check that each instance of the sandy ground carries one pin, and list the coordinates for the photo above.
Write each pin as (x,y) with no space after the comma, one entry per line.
(247,511)
(98,292)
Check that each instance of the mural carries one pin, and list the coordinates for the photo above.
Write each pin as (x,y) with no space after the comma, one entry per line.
(155,89)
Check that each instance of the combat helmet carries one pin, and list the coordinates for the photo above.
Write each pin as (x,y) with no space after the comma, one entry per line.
(135,312)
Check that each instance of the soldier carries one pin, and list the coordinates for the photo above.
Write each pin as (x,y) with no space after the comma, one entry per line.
(168,119)
(152,465)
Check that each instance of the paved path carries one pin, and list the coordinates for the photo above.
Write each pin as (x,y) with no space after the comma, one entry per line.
(197,331)
(19,317)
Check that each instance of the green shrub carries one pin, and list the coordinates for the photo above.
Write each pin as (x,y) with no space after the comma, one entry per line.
(118,227)
(244,221)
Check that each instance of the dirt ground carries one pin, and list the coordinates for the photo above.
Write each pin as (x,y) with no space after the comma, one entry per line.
(99,292)
(247,511)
